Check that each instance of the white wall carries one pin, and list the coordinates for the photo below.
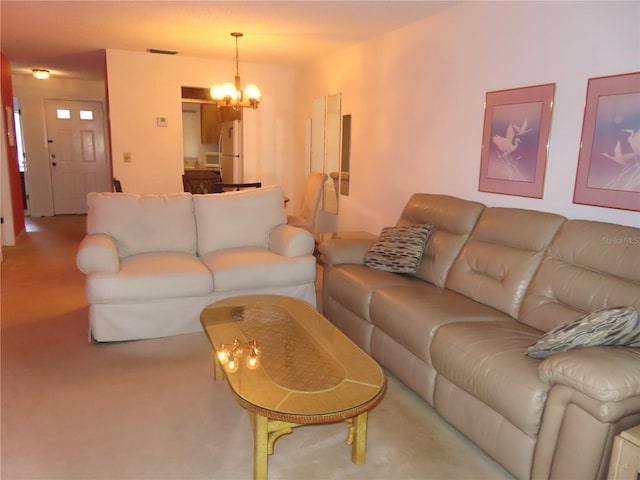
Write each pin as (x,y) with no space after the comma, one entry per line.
(32,94)
(143,86)
(417,100)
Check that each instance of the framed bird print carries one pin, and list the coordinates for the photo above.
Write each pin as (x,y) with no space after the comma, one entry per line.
(515,140)
(608,173)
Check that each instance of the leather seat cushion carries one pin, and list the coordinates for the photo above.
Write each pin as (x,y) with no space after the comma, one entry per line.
(412,315)
(151,276)
(487,360)
(250,268)
(352,285)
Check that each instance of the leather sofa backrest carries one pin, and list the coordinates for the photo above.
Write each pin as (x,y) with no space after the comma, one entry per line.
(589,266)
(502,255)
(143,223)
(238,219)
(452,218)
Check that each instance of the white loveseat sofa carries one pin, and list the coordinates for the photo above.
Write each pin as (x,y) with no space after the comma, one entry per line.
(153,262)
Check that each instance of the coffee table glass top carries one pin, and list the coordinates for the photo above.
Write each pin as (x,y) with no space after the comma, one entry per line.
(307,366)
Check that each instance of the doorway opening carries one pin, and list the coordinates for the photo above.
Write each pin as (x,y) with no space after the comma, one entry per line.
(22,159)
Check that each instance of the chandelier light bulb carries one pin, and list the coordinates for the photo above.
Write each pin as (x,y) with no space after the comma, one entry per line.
(252,92)
(217,92)
(230,91)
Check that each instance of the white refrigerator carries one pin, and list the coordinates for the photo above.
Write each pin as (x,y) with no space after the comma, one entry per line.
(230,148)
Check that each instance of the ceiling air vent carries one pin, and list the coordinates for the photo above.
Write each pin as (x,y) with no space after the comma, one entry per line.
(161,52)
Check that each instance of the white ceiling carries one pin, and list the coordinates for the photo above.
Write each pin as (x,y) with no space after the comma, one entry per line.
(68,37)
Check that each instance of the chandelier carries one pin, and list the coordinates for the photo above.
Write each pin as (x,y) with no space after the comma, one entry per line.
(231,94)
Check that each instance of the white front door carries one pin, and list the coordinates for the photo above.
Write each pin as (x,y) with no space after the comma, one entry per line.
(77,154)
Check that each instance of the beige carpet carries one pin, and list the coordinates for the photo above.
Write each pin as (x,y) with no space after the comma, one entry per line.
(150,409)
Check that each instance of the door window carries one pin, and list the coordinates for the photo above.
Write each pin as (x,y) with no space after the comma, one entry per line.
(63,114)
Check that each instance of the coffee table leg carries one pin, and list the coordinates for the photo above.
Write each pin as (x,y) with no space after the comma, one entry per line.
(359,439)
(260,446)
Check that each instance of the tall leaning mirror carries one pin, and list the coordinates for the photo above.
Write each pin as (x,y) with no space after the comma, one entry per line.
(333,146)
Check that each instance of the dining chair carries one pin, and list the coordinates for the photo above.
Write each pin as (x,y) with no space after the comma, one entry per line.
(200,181)
(306,216)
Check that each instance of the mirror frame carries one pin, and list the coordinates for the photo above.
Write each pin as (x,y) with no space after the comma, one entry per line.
(345,157)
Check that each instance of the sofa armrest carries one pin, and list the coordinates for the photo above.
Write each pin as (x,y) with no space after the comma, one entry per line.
(337,251)
(606,374)
(291,241)
(97,253)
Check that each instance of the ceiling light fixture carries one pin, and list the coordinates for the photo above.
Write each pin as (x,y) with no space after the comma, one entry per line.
(40,73)
(231,94)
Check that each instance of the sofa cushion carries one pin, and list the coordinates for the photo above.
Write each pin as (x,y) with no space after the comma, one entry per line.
(589,266)
(610,326)
(412,315)
(452,219)
(151,276)
(398,249)
(353,285)
(502,255)
(238,219)
(486,359)
(250,268)
(143,223)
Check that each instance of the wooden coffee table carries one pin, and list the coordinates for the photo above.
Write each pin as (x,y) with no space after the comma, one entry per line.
(308,372)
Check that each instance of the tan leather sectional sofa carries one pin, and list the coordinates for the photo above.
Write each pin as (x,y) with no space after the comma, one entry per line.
(491,282)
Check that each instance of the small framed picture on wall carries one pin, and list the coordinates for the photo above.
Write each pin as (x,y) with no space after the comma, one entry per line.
(515,140)
(608,173)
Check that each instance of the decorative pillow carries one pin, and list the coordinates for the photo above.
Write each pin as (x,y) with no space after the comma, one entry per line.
(610,326)
(398,249)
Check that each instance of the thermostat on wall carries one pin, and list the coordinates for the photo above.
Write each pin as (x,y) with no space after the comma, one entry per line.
(162,121)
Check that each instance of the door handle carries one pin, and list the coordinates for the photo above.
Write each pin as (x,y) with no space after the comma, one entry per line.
(53,164)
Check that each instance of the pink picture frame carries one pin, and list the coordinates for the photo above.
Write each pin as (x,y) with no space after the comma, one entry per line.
(608,172)
(515,140)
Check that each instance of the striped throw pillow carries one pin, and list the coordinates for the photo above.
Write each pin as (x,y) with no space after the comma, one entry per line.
(618,326)
(398,249)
